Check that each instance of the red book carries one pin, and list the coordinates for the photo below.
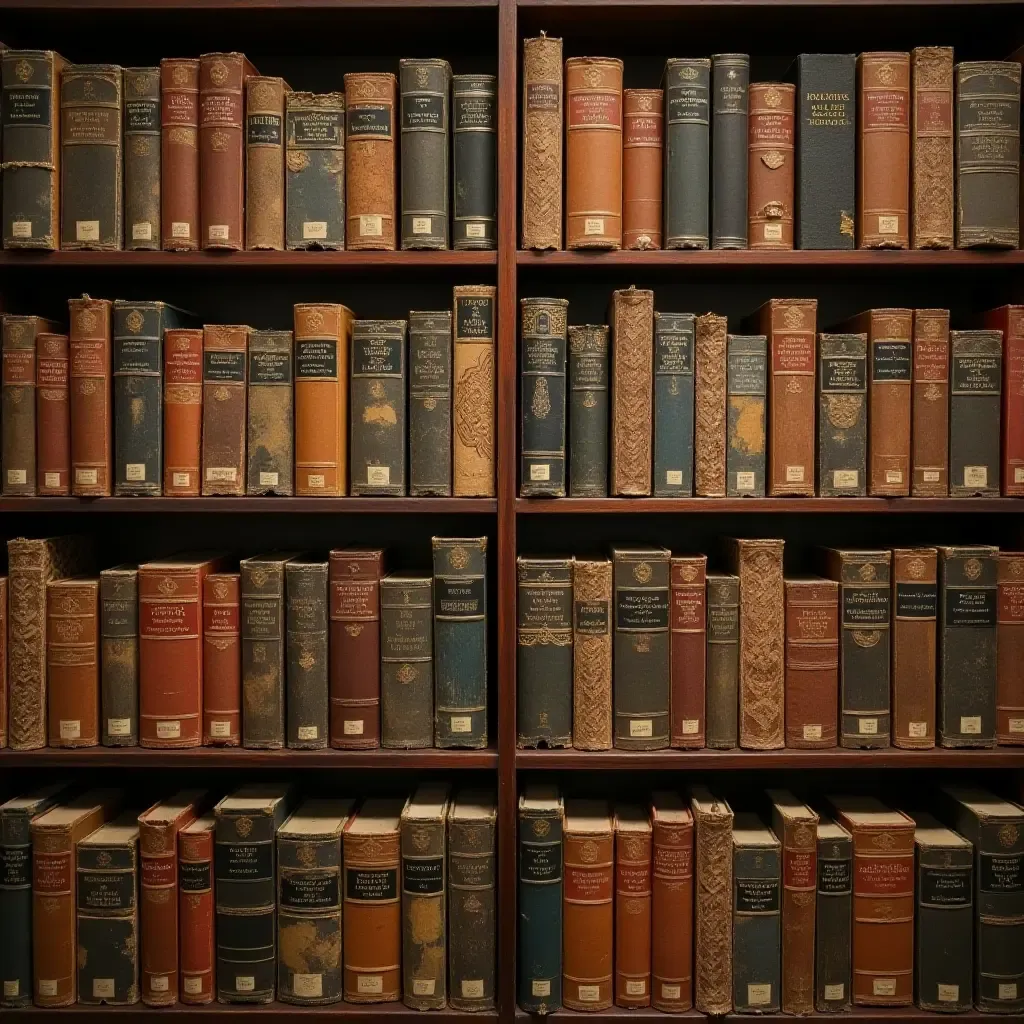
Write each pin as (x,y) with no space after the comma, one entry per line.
(53,415)
(672,904)
(1010,649)
(222,660)
(196,911)
(632,906)
(1010,320)
(183,410)
(812,662)
(91,400)
(688,624)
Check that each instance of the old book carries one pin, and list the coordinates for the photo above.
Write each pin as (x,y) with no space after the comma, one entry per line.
(713,902)
(771,162)
(406,662)
(91,407)
(671,903)
(544,652)
(473,427)
(91,210)
(307,704)
(632,316)
(592,654)
(430,403)
(673,404)
(687,624)
(812,662)
(53,415)
(1009,649)
(709,431)
(246,890)
(730,84)
(222,79)
(865,615)
(883,900)
(1010,320)
(373,910)
(723,661)
(31,148)
(746,414)
(264,162)
(593,153)
(315,170)
(542,397)
(474,168)
(633,892)
(196,911)
(142,158)
(641,649)
(833,959)
(542,143)
(224,419)
(179,153)
(974,410)
(354,578)
(842,415)
(687,84)
(183,411)
(270,412)
(323,332)
(883,150)
(4,615)
(73,662)
(643,118)
(987,154)
(310,901)
(931,154)
(222,660)
(914,613)
(826,85)
(588,411)
(424,85)
(370,161)
(929,405)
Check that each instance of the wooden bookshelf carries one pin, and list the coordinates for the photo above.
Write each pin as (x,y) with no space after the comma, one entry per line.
(259,260)
(253,505)
(847,259)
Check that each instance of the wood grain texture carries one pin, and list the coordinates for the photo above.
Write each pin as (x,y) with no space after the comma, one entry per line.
(279,505)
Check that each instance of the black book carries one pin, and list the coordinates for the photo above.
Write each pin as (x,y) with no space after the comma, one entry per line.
(588,411)
(730,80)
(475,162)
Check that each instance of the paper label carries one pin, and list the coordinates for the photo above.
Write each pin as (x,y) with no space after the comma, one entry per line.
(917,730)
(353,728)
(85,476)
(975,476)
(674,477)
(540,988)
(888,226)
(161,983)
(745,481)
(671,991)
(179,229)
(314,229)
(759,995)
(812,732)
(461,723)
(837,991)
(636,988)
(476,231)
(1016,725)
(192,986)
(221,474)
(949,993)
(868,726)
(1018,474)
(47,986)
(845,478)
(21,229)
(641,728)
(17,476)
(103,988)
(181,479)
(930,476)
(378,475)
(894,476)
(691,726)
(370,983)
(883,986)
(51,479)
(11,989)
(135,471)
(310,985)
(589,993)
(773,232)
(1007,990)
(371,225)
(70,729)
(268,479)
(119,727)
(421,226)
(540,471)
(315,480)
(422,986)
(142,232)
(87,230)
(220,233)
(168,730)
(593,226)
(794,474)
(245,983)
(308,732)
(220,729)
(473,988)
(970,725)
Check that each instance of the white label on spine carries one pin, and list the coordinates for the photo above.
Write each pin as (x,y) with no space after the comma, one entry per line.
(641,728)
(1016,725)
(21,229)
(268,479)
(17,476)
(930,476)
(745,481)
(894,476)
(51,479)
(192,986)
(70,729)
(379,476)
(593,226)
(245,983)
(369,983)
(11,989)
(352,728)
(309,985)
(883,986)
(867,726)
(917,730)
(1018,474)
(142,232)
(119,727)
(589,993)
(103,988)
(87,230)
(794,474)
(773,232)
(86,476)
(1008,990)
(181,479)
(949,993)
(845,478)
(759,995)
(970,725)
(168,730)
(422,986)
(462,723)
(888,226)
(421,225)
(635,988)
(540,471)
(314,229)
(180,229)
(975,476)
(476,230)
(674,477)
(671,991)
(308,732)
(837,991)
(220,233)
(47,986)
(473,988)
(220,729)
(316,480)
(540,988)
(161,983)
(221,474)
(812,732)
(135,471)
(691,726)
(372,225)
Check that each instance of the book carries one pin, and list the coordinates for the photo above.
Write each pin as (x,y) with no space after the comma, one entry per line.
(730,104)
(72,662)
(842,415)
(713,902)
(687,84)
(473,436)
(593,153)
(91,407)
(592,654)
(746,414)
(53,415)
(142,125)
(1010,320)
(632,365)
(179,153)
(643,117)
(931,147)
(224,409)
(771,156)
(588,411)
(1009,651)
(222,660)
(688,627)
(723,661)
(833,921)
(183,411)
(307,678)
(370,161)
(4,616)
(673,404)
(709,431)
(430,403)
(542,143)
(974,410)
(914,614)
(269,403)
(196,911)
(315,170)
(264,162)
(811,683)
(474,165)
(929,405)
(633,898)
(406,662)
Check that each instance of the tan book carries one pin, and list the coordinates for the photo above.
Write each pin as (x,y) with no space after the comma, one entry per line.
(709,430)
(592,654)
(632,319)
(542,143)
(370,160)
(73,662)
(713,819)
(473,427)
(224,417)
(931,172)
(264,162)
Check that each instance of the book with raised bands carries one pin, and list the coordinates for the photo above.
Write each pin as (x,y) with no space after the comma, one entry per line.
(315,170)
(975,383)
(688,625)
(407,661)
(270,414)
(644,127)
(183,411)
(542,143)
(92,428)
(713,902)
(430,403)
(73,662)
(307,678)
(771,161)
(473,392)
(222,660)
(709,433)
(812,662)
(673,404)
(723,661)
(474,164)
(592,654)
(1010,320)
(730,103)
(633,896)
(224,407)
(142,124)
(588,411)
(1010,649)
(179,153)
(370,160)
(833,922)
(914,615)
(197,951)
(632,322)
(842,415)
(929,405)
(265,100)
(687,84)
(53,415)
(932,147)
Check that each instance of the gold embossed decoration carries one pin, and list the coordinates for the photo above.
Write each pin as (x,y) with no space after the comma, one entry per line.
(793,318)
(932,393)
(773,159)
(688,572)
(314,320)
(972,568)
(219,141)
(103,859)
(243,826)
(916,568)
(773,97)
(709,432)
(867,572)
(87,321)
(633,313)
(305,854)
(592,662)
(219,72)
(422,77)
(1016,567)
(589,852)
(542,144)
(421,838)
(592,77)
(307,659)
(23,69)
(541,827)
(540,406)
(843,411)
(645,102)
(1008,835)
(168,585)
(688,72)
(886,74)
(134,321)
(883,840)
(474,406)
(846,223)
(634,848)
(713,917)
(179,76)
(866,637)
(406,674)
(458,557)
(642,572)
(220,590)
(261,94)
(353,628)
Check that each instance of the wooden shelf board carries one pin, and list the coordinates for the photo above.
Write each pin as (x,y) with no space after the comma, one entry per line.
(861,1014)
(720,506)
(847,258)
(217,6)
(379,1012)
(328,506)
(256,260)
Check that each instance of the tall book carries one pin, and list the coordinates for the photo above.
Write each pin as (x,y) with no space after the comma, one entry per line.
(974,412)
(183,411)
(770,157)
(430,403)
(270,414)
(4,617)
(474,162)
(687,84)
(224,409)
(723,662)
(931,152)
(73,662)
(842,415)
(588,411)
(673,404)
(53,415)
(713,902)
(914,614)
(643,118)
(370,161)
(542,397)
(473,401)
(929,405)
(730,103)
(307,679)
(746,414)
(315,170)
(264,162)
(142,125)
(592,654)
(812,662)
(1010,320)
(632,316)
(196,911)
(179,153)
(1010,649)
(833,960)
(542,143)
(688,651)
(406,662)
(633,897)
(709,431)
(92,428)
(222,660)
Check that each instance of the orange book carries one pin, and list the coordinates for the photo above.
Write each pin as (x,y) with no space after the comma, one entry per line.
(632,906)
(196,950)
(1010,649)
(53,415)
(73,662)
(183,410)
(92,429)
(222,660)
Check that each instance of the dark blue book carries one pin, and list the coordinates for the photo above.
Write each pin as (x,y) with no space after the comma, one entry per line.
(673,404)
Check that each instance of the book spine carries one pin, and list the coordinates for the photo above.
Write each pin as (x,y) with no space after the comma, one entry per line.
(842,415)
(19,418)
(632,391)
(196,917)
(224,418)
(673,404)
(713,908)
(746,415)
(315,170)
(53,415)
(119,657)
(540,909)
(592,655)
(179,153)
(306,655)
(812,663)
(643,115)
(270,412)
(91,406)
(406,663)
(73,664)
(889,393)
(222,660)
(997,880)
(16,926)
(370,161)
(1010,321)
(473,430)
(424,917)
(142,158)
(914,614)
(687,622)
(723,662)
(687,153)
(672,916)
(1010,650)
(771,175)
(183,411)
(974,409)
(430,404)
(833,919)
(263,653)
(264,162)
(4,617)
(929,405)
(799,885)
(932,147)
(633,892)
(588,937)
(222,78)
(757,929)
(588,411)
(158,912)
(709,400)
(474,162)
(54,945)
(542,143)
(730,82)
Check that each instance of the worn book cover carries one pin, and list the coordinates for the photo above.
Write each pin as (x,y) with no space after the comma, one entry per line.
(673,404)
(633,896)
(53,415)
(746,415)
(688,627)
(812,662)
(592,654)
(687,85)
(430,403)
(4,616)
(632,322)
(196,911)
(142,125)
(474,162)
(723,661)
(183,411)
(709,432)
(222,660)
(914,676)
(73,662)
(671,902)
(92,427)
(179,153)
(1010,320)
(833,959)
(730,104)
(929,405)
(713,902)
(931,154)
(315,170)
(542,143)
(588,411)
(270,411)
(307,681)
(643,116)
(771,161)
(265,100)
(842,415)
(406,661)
(370,160)
(974,410)
(473,433)
(1010,649)
(224,407)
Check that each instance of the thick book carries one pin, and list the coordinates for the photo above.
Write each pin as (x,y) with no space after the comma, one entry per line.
(632,366)
(826,146)
(406,662)
(833,919)
(315,170)
(709,404)
(72,662)
(974,410)
(542,143)
(91,408)
(224,409)
(474,167)
(588,394)
(307,679)
(270,414)
(265,100)
(1010,320)
(196,911)
(53,415)
(179,153)
(671,903)
(473,390)
(914,675)
(183,411)
(771,158)
(430,403)
(633,898)
(1010,649)
(812,662)
(4,616)
(929,405)
(370,160)
(688,650)
(643,117)
(673,404)
(713,902)
(592,654)
(746,415)
(687,85)
(542,397)
(142,125)
(730,102)
(842,415)
(723,662)
(931,153)
(593,153)
(222,660)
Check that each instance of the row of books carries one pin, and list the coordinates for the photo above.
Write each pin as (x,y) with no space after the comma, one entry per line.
(288,650)
(139,400)
(683,902)
(209,154)
(258,895)
(892,403)
(712,160)
(646,650)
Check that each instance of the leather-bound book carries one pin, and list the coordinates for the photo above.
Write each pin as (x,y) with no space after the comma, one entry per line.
(632,316)
(544,654)
(633,892)
(883,900)
(723,662)
(373,910)
(1010,320)
(222,660)
(931,222)
(119,656)
(315,170)
(641,648)
(771,162)
(430,403)
(246,891)
(833,921)
(688,626)
(673,404)
(812,662)
(92,428)
(914,615)
(31,148)
(687,84)
(542,143)
(542,397)
(265,100)
(310,901)
(929,405)
(142,158)
(183,411)
(1010,649)
(746,414)
(826,86)
(307,704)
(425,85)
(53,415)
(593,153)
(222,79)
(270,412)
(974,409)
(179,153)
(987,154)
(944,922)
(406,662)
(643,118)
(73,662)
(713,902)
(355,647)
(472,904)
(474,169)
(4,615)
(588,411)
(425,897)
(883,150)
(865,616)
(224,419)
(709,431)
(323,332)
(473,428)
(196,911)
(370,161)
(730,84)
(592,654)
(842,415)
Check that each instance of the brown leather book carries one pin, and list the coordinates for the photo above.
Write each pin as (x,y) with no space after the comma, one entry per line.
(323,334)
(542,143)
(1010,649)
(672,903)
(222,78)
(632,906)
(931,221)
(264,162)
(712,929)
(883,150)
(3,662)
(588,907)
(370,160)
(179,153)
(812,662)
(632,317)
(53,415)
(709,407)
(914,680)
(183,411)
(929,405)
(643,117)
(771,173)
(687,665)
(224,420)
(196,910)
(592,654)
(222,660)
(473,390)
(593,153)
(73,662)
(1010,320)
(92,433)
